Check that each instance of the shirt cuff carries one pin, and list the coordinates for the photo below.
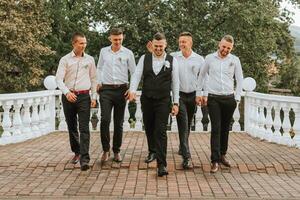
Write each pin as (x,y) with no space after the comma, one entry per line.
(237,97)
(205,93)
(199,93)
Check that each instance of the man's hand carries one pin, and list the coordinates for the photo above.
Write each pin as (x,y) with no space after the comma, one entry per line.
(175,110)
(93,103)
(204,101)
(198,100)
(131,96)
(71,97)
(99,86)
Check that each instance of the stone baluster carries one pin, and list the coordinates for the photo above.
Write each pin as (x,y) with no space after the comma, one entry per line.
(6,123)
(269,122)
(62,120)
(296,126)
(35,118)
(286,125)
(42,116)
(17,121)
(277,123)
(261,120)
(236,117)
(138,115)
(47,114)
(27,131)
(198,122)
(126,125)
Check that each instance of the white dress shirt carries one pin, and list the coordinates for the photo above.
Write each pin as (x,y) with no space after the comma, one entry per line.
(77,73)
(221,72)
(157,64)
(112,67)
(189,69)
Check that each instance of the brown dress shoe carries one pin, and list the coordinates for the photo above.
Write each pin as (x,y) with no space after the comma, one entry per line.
(75,159)
(224,161)
(214,167)
(105,156)
(117,157)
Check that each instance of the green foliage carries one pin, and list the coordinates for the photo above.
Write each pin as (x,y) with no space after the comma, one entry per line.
(258,27)
(22,25)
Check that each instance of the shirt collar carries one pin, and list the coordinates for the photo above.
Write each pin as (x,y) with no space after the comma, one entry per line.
(217,55)
(191,56)
(73,54)
(120,50)
(165,55)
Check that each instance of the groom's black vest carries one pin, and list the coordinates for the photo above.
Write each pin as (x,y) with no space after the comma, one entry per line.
(157,86)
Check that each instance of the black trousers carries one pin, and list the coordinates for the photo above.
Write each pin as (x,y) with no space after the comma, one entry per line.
(112,98)
(221,109)
(187,106)
(79,144)
(155,116)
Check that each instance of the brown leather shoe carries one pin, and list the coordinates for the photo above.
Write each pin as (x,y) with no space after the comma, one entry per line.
(75,159)
(214,167)
(224,161)
(105,156)
(117,157)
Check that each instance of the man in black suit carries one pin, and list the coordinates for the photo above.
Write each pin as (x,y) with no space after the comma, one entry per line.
(160,75)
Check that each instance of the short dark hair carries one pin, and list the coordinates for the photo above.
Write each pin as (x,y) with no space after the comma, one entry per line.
(228,38)
(159,36)
(76,35)
(186,33)
(116,31)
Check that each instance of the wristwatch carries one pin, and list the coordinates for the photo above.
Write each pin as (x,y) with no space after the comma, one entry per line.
(175,104)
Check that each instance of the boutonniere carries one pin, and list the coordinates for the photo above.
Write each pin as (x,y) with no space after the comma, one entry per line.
(231,64)
(166,65)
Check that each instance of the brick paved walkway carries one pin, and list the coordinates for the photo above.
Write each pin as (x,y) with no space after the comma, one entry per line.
(39,169)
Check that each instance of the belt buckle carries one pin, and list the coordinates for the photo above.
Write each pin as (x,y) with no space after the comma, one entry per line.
(116,85)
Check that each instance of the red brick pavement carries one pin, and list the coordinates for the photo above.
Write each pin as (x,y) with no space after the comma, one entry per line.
(39,168)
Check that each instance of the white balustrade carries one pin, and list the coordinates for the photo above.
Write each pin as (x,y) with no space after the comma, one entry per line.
(236,117)
(32,114)
(27,115)
(271,125)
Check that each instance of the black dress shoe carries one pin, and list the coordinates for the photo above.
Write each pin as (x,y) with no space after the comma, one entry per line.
(150,157)
(75,159)
(84,167)
(117,157)
(186,163)
(162,171)
(179,152)
(224,161)
(214,167)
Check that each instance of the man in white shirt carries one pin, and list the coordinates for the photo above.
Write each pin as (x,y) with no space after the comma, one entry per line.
(112,75)
(222,68)
(160,75)
(75,77)
(189,64)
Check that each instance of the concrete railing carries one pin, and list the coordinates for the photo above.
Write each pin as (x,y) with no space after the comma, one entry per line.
(28,115)
(274,118)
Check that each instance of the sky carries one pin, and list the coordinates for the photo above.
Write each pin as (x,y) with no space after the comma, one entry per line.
(296,11)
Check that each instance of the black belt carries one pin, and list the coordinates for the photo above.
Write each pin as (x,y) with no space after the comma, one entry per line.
(221,96)
(114,86)
(187,94)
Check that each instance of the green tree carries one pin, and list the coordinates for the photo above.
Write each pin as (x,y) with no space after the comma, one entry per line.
(22,27)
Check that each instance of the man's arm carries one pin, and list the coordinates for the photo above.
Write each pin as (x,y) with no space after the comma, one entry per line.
(131,63)
(99,70)
(60,76)
(93,78)
(238,73)
(175,81)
